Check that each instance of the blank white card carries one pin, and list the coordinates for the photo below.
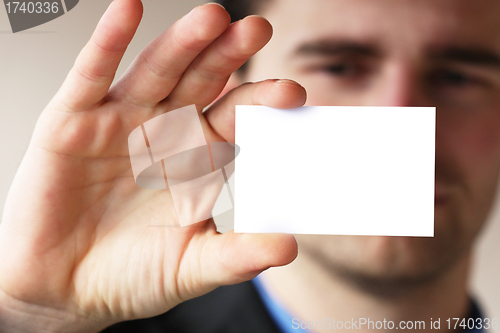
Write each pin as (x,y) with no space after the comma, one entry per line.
(335,170)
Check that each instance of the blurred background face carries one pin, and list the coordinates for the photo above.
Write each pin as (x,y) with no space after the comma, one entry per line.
(401,53)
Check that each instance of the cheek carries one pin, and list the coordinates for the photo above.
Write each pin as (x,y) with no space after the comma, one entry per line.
(471,141)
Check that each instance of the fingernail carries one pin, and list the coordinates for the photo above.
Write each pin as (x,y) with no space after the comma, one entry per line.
(205,4)
(286,81)
(215,3)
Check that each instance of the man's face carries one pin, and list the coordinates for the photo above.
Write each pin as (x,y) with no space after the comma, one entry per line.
(402,53)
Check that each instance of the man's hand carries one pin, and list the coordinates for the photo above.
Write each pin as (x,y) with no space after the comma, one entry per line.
(77,252)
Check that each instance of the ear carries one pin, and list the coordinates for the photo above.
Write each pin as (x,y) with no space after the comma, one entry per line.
(234,81)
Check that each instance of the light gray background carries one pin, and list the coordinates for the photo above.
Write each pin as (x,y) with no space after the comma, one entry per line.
(34,63)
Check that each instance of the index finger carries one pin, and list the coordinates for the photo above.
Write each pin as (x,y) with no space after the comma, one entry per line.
(95,67)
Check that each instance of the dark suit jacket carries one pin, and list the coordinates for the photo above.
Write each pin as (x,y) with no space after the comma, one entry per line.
(230,309)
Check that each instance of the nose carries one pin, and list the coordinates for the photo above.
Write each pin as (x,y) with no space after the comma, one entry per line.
(396,85)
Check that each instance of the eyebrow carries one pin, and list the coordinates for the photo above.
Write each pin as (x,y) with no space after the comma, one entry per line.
(467,55)
(472,56)
(332,48)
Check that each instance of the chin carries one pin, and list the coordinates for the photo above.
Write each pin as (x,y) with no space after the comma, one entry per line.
(388,259)
(400,260)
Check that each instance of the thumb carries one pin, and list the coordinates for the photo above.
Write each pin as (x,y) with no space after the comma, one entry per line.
(240,257)
(281,94)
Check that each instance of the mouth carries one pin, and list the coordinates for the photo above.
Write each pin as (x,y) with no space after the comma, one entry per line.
(440,197)
(440,201)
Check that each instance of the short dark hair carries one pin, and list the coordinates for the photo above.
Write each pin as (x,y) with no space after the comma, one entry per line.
(239,9)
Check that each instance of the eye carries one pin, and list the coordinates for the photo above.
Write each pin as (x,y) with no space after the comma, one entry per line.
(452,78)
(344,70)
(459,87)
(339,69)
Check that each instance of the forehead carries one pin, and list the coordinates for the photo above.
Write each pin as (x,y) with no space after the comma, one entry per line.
(400,22)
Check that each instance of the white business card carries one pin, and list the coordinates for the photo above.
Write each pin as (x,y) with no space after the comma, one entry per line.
(335,170)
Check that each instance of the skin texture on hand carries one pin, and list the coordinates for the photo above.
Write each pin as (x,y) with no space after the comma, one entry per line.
(77,250)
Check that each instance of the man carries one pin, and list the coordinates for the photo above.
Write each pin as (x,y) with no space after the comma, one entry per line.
(394,53)
(75,237)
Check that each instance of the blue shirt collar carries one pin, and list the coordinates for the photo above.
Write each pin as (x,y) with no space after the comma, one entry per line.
(288,324)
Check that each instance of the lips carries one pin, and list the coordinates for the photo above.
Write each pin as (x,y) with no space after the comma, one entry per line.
(440,201)
(440,196)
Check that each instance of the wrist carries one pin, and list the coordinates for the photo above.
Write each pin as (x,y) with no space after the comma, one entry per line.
(19,317)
